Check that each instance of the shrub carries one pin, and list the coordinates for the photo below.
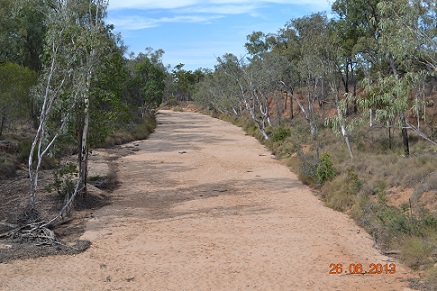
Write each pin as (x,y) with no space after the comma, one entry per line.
(341,192)
(64,180)
(280,133)
(172,101)
(325,170)
(308,167)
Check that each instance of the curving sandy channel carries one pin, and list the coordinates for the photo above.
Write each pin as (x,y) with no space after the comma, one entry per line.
(202,206)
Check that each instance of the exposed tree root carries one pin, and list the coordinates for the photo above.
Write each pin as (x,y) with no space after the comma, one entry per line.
(36,232)
(31,227)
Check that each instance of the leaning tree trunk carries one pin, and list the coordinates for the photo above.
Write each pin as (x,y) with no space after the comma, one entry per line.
(83,165)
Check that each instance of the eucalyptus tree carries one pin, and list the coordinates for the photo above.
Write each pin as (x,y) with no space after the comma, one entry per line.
(218,91)
(146,81)
(250,94)
(258,43)
(357,29)
(109,103)
(309,67)
(333,58)
(268,64)
(72,53)
(266,74)
(285,44)
(408,46)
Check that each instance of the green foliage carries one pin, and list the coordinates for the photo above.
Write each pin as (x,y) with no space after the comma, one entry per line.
(392,227)
(64,180)
(258,44)
(150,79)
(172,101)
(109,110)
(184,82)
(15,84)
(22,33)
(325,169)
(138,130)
(280,133)
(145,83)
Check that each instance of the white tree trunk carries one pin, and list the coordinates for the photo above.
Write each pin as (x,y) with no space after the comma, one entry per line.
(342,126)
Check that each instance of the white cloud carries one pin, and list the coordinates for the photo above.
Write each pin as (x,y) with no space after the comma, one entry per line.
(138,22)
(196,54)
(220,9)
(150,4)
(175,4)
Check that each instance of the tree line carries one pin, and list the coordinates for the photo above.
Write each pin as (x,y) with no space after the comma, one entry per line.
(374,62)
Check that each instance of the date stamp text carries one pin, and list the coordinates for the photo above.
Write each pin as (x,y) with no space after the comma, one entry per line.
(362,269)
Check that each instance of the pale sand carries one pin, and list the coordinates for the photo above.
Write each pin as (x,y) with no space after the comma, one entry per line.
(204,207)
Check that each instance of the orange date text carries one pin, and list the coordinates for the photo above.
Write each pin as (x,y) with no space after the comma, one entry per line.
(361,269)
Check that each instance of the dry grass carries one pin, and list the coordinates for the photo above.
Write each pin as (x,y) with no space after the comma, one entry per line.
(431,278)
(416,252)
(178,109)
(8,165)
(137,131)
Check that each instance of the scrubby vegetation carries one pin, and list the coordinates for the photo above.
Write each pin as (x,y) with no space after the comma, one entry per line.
(381,189)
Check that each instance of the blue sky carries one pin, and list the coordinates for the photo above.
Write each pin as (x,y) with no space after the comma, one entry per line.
(196,32)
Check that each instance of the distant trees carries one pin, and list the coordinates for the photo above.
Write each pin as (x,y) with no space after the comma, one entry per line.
(22,32)
(15,83)
(147,80)
(180,82)
(384,49)
(218,91)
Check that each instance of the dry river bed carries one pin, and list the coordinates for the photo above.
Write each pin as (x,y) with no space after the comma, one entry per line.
(202,206)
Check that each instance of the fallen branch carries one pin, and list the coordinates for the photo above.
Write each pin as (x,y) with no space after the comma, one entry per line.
(391,252)
(32,231)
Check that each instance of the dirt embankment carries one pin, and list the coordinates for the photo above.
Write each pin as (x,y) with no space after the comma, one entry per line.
(201,206)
